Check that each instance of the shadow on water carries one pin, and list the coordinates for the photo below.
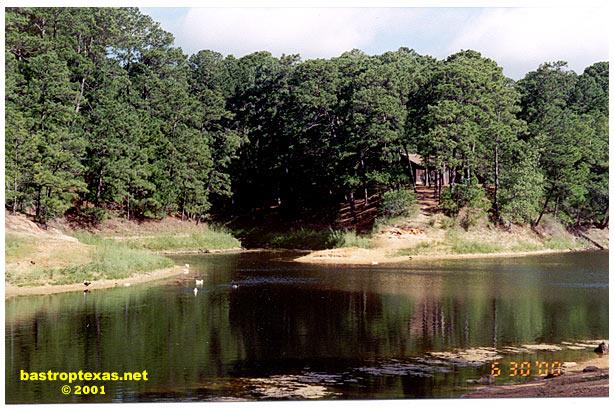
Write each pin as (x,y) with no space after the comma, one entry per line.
(262,327)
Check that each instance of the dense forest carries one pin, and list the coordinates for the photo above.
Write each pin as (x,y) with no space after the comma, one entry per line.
(104,113)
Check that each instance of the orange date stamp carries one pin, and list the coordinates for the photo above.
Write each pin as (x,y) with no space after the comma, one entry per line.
(526,368)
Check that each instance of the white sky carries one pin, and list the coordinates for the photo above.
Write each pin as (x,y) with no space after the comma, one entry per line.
(519,39)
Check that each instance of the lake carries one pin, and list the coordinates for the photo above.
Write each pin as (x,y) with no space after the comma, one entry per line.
(264,327)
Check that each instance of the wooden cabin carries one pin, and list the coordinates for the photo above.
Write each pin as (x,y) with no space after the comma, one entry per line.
(422,175)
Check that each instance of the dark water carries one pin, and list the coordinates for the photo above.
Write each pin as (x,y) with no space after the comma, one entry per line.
(287,330)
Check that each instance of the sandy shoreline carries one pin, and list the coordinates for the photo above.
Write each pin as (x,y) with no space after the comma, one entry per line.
(359,256)
(13,291)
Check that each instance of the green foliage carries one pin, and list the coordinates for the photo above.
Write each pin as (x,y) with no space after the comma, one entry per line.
(111,260)
(105,259)
(522,190)
(351,239)
(102,109)
(566,116)
(423,247)
(90,216)
(16,247)
(460,244)
(448,202)
(313,239)
(470,195)
(561,243)
(304,239)
(398,203)
(467,202)
(474,247)
(206,240)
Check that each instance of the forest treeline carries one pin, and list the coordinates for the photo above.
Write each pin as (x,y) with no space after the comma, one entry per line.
(103,112)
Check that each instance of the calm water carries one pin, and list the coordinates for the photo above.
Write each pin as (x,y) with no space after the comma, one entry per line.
(307,331)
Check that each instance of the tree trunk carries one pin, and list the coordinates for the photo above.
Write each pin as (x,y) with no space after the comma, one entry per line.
(605,221)
(37,205)
(80,96)
(98,190)
(411,169)
(364,177)
(15,199)
(578,216)
(353,208)
(496,195)
(440,182)
(536,223)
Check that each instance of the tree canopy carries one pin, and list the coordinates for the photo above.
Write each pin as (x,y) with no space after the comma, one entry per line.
(104,112)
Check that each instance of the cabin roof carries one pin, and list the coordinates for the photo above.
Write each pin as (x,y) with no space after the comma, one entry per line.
(415,158)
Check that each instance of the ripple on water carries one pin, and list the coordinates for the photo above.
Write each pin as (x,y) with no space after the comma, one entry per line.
(419,368)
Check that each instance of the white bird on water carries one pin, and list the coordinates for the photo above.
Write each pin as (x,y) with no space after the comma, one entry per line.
(195,290)
(187,266)
(200,282)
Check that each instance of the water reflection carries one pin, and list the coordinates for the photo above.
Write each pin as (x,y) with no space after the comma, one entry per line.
(290,319)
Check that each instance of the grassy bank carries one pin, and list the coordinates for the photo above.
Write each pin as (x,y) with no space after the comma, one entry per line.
(165,236)
(488,241)
(117,250)
(33,261)
(437,237)
(205,241)
(306,239)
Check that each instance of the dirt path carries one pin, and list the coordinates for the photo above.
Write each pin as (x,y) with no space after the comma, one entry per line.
(574,383)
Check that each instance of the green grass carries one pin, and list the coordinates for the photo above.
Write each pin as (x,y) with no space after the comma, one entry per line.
(311,239)
(422,247)
(17,247)
(561,243)
(107,259)
(110,260)
(206,240)
(303,238)
(526,246)
(351,239)
(475,247)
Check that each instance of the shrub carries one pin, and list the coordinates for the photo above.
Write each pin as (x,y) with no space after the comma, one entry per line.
(351,239)
(93,216)
(468,201)
(305,239)
(448,202)
(398,203)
